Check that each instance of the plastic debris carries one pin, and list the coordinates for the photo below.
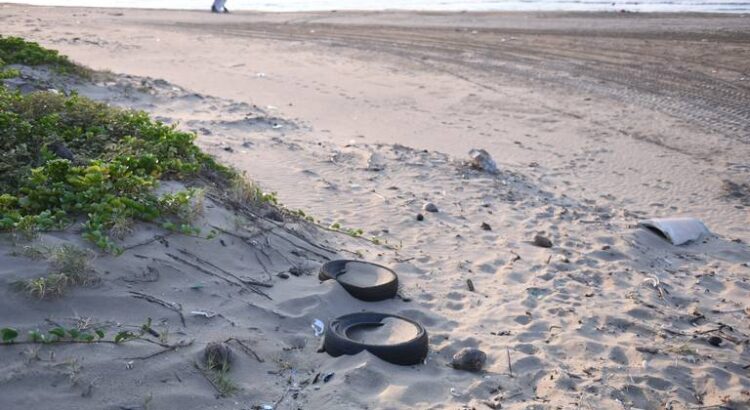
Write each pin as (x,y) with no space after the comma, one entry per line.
(678,231)
(205,313)
(318,326)
(481,159)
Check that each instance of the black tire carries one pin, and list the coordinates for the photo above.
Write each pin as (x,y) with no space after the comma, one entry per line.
(387,290)
(337,343)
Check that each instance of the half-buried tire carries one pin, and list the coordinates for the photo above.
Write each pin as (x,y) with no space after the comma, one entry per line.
(341,338)
(364,280)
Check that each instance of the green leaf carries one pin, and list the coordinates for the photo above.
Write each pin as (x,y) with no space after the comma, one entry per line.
(99,333)
(8,334)
(146,327)
(74,333)
(86,337)
(35,336)
(123,336)
(58,331)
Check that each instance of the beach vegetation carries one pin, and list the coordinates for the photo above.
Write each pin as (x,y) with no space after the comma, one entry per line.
(71,266)
(67,159)
(77,334)
(15,50)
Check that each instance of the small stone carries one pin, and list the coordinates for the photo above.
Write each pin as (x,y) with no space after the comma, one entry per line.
(714,341)
(542,241)
(217,356)
(228,149)
(283,275)
(59,149)
(486,226)
(274,215)
(375,162)
(469,359)
(482,160)
(420,217)
(429,207)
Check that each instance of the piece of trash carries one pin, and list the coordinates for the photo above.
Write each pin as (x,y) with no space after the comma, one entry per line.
(260,75)
(129,365)
(318,326)
(327,377)
(677,231)
(197,286)
(276,126)
(266,407)
(481,159)
(205,313)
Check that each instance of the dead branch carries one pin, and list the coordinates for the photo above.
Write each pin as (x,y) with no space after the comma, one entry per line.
(165,350)
(245,348)
(176,307)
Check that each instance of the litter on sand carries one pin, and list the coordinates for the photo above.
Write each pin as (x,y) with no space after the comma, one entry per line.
(205,313)
(677,231)
(318,326)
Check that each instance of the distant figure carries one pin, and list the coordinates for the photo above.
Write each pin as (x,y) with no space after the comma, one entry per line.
(218,6)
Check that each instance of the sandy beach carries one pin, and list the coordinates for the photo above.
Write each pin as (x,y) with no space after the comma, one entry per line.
(597,121)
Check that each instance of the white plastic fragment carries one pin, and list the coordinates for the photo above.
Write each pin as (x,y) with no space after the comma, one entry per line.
(205,313)
(678,231)
(318,326)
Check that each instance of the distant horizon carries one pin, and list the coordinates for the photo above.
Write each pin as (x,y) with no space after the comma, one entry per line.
(703,6)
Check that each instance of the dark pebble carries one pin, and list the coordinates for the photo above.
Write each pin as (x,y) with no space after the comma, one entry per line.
(420,217)
(274,215)
(430,207)
(714,341)
(59,149)
(469,359)
(283,275)
(486,226)
(542,241)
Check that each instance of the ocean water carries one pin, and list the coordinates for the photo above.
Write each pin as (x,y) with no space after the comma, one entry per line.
(713,6)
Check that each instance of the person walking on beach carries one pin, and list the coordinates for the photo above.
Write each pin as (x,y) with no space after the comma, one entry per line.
(218,6)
